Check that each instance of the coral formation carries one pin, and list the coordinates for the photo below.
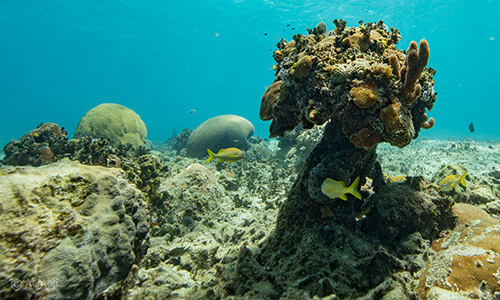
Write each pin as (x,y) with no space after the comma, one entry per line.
(219,132)
(181,140)
(470,255)
(385,86)
(212,231)
(142,168)
(78,226)
(268,100)
(115,122)
(363,97)
(43,145)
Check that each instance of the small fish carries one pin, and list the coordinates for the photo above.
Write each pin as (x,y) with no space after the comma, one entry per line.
(337,189)
(471,127)
(293,28)
(179,251)
(265,33)
(192,111)
(287,25)
(228,154)
(450,181)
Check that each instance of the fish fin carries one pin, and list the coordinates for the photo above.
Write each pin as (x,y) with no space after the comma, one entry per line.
(462,179)
(211,155)
(220,151)
(343,197)
(353,189)
(219,160)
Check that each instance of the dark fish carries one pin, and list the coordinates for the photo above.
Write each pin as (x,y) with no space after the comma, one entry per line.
(471,127)
(179,251)
(287,25)
(265,33)
(293,28)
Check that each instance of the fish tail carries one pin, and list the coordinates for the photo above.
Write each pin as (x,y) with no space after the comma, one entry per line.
(353,189)
(462,179)
(211,155)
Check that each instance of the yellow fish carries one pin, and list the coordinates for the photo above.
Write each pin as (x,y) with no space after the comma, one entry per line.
(228,154)
(450,181)
(338,189)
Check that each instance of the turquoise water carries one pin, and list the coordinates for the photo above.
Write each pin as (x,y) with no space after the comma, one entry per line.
(59,59)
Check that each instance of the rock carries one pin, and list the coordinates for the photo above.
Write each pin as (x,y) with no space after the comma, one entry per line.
(195,190)
(402,209)
(43,145)
(74,228)
(218,133)
(115,122)
(482,194)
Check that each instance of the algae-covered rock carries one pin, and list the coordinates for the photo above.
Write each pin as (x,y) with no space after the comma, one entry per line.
(412,206)
(74,229)
(45,144)
(115,122)
(217,133)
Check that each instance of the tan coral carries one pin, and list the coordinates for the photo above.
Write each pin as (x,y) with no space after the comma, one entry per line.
(267,103)
(416,60)
(358,40)
(472,252)
(304,66)
(428,124)
(391,118)
(363,97)
(365,138)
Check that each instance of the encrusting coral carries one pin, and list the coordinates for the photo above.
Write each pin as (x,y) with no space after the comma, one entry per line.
(321,75)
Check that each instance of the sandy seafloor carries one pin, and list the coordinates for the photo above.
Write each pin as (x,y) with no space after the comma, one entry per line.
(425,157)
(197,235)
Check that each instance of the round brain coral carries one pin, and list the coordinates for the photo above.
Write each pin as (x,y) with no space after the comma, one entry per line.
(115,122)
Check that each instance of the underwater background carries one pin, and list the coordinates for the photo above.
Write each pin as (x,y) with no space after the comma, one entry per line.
(162,59)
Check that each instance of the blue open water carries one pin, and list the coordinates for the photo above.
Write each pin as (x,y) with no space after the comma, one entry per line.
(59,59)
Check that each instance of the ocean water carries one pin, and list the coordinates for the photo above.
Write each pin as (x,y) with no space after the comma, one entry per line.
(59,59)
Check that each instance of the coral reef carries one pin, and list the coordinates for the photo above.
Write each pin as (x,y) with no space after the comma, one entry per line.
(80,227)
(212,233)
(142,168)
(181,140)
(321,75)
(43,145)
(115,122)
(268,100)
(347,80)
(219,132)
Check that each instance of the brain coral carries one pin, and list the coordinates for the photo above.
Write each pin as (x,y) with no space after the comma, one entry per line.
(354,75)
(217,133)
(115,122)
